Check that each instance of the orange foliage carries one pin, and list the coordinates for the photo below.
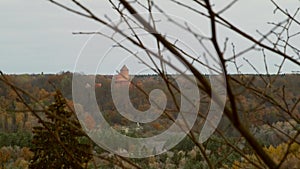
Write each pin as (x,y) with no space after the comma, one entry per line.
(89,121)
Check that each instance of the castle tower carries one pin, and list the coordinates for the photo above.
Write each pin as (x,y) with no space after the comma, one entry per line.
(125,72)
(123,77)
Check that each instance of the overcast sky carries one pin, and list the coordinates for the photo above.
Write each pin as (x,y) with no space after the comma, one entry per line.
(36,36)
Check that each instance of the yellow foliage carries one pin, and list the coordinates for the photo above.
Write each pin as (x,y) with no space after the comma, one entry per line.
(291,161)
(21,163)
(5,155)
(26,153)
(19,118)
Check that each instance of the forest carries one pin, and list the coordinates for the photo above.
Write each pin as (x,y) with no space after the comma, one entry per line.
(26,117)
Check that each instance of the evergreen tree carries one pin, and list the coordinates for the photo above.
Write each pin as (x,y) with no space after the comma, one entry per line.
(57,143)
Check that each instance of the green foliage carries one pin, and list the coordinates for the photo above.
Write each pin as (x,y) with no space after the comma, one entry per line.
(58,144)
(185,144)
(192,164)
(21,139)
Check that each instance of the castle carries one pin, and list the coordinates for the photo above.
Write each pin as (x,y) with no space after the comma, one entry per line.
(123,77)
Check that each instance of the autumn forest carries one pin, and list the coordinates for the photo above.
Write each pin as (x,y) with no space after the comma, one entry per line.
(25,122)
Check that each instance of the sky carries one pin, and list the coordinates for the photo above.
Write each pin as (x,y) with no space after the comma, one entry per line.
(36,36)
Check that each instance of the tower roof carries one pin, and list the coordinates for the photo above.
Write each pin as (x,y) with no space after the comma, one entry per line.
(124,68)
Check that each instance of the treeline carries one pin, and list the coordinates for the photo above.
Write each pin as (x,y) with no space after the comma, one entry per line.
(15,117)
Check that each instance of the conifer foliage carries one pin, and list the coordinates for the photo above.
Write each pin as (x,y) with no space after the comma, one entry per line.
(58,142)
